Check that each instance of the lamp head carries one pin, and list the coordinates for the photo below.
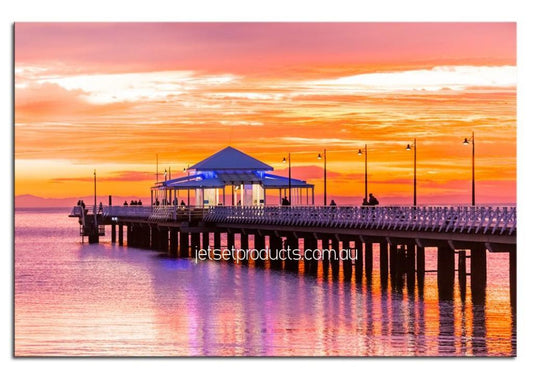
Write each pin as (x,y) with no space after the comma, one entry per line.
(360,152)
(408,147)
(319,157)
(466,142)
(284,160)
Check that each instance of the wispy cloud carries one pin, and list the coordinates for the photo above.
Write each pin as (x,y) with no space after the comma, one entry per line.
(455,78)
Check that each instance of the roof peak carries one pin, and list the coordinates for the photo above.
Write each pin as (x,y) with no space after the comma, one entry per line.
(231,158)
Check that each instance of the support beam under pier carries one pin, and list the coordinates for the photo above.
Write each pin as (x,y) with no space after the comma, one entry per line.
(445,272)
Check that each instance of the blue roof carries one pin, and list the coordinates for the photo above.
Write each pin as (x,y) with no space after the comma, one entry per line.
(230,158)
(268,181)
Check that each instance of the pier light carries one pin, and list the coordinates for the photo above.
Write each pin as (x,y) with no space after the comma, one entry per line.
(413,147)
(468,141)
(359,153)
(290,178)
(319,157)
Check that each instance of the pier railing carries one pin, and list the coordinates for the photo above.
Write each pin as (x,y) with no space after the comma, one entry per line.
(468,220)
(155,213)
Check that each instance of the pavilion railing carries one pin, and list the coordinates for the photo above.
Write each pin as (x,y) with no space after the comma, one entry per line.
(451,219)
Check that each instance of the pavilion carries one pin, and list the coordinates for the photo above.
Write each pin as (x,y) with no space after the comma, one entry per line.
(230,177)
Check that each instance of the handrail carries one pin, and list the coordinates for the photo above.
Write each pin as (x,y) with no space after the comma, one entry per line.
(485,220)
(446,219)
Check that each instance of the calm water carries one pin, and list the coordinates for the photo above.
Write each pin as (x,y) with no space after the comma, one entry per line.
(74,299)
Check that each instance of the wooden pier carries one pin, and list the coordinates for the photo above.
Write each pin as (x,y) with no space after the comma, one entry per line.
(402,234)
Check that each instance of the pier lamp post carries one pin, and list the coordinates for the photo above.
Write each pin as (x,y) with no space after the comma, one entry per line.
(325,178)
(360,152)
(468,141)
(94,174)
(290,178)
(409,147)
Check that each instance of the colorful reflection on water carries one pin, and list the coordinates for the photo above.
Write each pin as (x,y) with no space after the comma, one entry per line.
(74,299)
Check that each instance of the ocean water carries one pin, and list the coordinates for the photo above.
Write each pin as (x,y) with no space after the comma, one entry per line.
(74,299)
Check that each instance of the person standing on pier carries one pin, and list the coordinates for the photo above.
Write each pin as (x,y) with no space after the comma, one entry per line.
(372,200)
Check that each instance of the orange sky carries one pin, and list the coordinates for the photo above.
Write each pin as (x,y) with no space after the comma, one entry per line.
(111,96)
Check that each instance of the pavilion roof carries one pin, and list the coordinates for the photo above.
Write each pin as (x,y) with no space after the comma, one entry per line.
(230,158)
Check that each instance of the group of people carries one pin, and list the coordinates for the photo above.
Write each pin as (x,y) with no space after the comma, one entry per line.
(134,203)
(167,202)
(372,200)
(81,203)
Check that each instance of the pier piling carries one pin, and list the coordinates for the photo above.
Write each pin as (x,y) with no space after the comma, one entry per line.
(347,261)
(445,271)
(120,234)
(383,262)
(478,272)
(113,232)
(184,244)
(358,260)
(173,242)
(195,243)
(369,256)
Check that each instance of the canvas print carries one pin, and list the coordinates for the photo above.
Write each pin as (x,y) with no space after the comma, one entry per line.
(265,189)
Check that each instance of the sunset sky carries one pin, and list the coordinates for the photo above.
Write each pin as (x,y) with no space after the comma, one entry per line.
(110,96)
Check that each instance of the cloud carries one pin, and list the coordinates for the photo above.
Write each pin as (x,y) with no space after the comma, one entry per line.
(131,87)
(455,78)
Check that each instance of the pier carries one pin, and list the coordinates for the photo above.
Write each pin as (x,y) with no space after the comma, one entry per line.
(227,208)
(402,234)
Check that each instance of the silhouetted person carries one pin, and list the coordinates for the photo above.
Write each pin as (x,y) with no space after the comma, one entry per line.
(140,203)
(365,202)
(372,200)
(333,204)
(239,203)
(285,201)
(157,202)
(100,207)
(175,201)
(125,203)
(83,204)
(182,204)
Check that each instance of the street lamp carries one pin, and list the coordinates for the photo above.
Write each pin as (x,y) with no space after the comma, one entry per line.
(409,147)
(290,178)
(325,178)
(466,142)
(360,152)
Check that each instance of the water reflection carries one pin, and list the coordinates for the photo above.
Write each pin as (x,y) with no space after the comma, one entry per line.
(73,299)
